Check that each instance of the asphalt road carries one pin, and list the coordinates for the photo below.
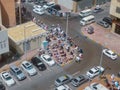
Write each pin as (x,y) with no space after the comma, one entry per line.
(92,53)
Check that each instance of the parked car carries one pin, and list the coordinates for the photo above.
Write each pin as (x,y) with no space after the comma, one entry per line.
(87,88)
(17,72)
(63,87)
(2,86)
(90,30)
(79,80)
(108,20)
(7,78)
(98,9)
(47,59)
(63,80)
(28,67)
(98,86)
(38,63)
(49,5)
(95,71)
(103,23)
(39,11)
(37,7)
(110,54)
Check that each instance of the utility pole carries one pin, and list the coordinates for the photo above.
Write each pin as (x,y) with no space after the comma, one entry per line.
(66,26)
(20,12)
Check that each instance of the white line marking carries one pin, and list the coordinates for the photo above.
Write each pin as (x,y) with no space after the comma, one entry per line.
(76,73)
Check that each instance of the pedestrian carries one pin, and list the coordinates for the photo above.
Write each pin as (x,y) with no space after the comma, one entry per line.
(77,59)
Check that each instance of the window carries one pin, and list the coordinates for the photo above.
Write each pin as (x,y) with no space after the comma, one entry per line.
(118,0)
(118,10)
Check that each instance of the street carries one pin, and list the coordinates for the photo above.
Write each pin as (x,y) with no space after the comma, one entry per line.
(44,80)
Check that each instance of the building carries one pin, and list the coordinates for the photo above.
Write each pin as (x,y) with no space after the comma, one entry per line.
(72,5)
(8,13)
(26,37)
(115,14)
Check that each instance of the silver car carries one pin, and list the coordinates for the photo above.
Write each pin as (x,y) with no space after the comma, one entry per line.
(79,80)
(17,72)
(63,80)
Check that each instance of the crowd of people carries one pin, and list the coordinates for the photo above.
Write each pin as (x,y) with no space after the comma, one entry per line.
(61,46)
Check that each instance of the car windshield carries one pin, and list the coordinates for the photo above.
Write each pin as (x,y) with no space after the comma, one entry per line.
(48,59)
(75,80)
(19,72)
(91,71)
(8,78)
(29,67)
(58,81)
(113,54)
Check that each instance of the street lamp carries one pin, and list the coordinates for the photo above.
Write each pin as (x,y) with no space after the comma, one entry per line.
(101,58)
(67,13)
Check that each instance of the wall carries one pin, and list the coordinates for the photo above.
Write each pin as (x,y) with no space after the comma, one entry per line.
(8,12)
(114,4)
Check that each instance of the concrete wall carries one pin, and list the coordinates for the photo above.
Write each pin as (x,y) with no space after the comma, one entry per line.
(8,12)
(68,3)
(113,6)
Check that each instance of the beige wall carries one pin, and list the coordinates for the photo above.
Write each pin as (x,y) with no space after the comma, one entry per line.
(114,4)
(8,12)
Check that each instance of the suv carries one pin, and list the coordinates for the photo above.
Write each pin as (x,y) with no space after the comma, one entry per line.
(108,20)
(17,72)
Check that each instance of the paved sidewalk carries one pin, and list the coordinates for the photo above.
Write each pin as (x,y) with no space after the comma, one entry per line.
(104,37)
(102,81)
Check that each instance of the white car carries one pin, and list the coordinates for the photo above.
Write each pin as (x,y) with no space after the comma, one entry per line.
(110,54)
(39,11)
(95,71)
(7,78)
(49,5)
(28,67)
(47,59)
(98,86)
(63,87)
(37,7)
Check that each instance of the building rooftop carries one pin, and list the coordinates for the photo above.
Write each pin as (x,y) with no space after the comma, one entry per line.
(27,30)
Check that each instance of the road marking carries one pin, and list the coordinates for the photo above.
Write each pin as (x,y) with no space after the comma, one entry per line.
(17,82)
(29,77)
(39,73)
(76,73)
(49,69)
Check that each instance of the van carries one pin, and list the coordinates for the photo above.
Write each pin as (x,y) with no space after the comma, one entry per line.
(87,20)
(85,13)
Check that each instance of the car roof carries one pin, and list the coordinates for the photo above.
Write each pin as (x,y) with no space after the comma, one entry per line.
(46,56)
(63,77)
(26,63)
(94,69)
(61,87)
(5,74)
(111,52)
(14,67)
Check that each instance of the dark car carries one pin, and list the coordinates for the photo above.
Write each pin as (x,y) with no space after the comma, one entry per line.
(118,74)
(79,80)
(98,9)
(2,87)
(108,20)
(103,23)
(90,30)
(38,63)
